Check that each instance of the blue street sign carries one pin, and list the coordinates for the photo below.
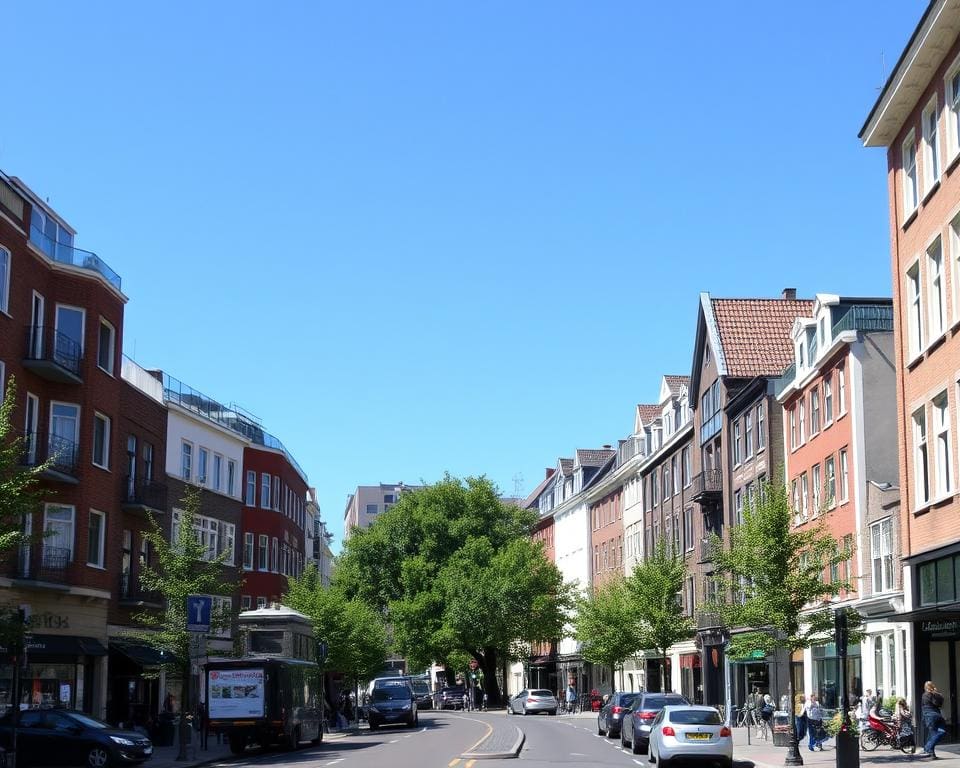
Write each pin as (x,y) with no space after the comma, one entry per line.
(199,608)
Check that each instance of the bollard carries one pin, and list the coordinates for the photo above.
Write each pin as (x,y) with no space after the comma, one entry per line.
(848,749)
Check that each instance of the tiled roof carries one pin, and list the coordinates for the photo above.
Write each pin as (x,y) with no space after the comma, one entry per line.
(531,500)
(676,383)
(566,466)
(648,413)
(588,457)
(755,333)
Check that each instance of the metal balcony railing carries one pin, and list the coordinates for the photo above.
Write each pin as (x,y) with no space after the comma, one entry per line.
(38,447)
(52,354)
(865,317)
(40,562)
(707,485)
(707,620)
(138,492)
(65,253)
(131,591)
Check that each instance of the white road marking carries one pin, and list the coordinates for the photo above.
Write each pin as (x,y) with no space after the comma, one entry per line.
(338,760)
(637,761)
(394,741)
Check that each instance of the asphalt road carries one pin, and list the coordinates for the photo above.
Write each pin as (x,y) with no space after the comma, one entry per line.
(443,736)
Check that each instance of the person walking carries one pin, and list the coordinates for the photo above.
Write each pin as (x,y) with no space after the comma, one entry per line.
(814,723)
(571,698)
(933,721)
(800,715)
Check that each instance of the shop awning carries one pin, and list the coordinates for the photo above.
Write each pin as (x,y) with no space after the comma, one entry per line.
(64,645)
(540,661)
(141,654)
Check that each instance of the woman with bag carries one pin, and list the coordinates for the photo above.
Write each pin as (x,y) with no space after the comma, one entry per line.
(932,718)
(814,724)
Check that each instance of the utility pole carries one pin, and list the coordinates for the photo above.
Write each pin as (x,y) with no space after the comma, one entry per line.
(19,658)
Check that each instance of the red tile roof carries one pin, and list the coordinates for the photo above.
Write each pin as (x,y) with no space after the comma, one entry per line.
(755,333)
(648,413)
(676,382)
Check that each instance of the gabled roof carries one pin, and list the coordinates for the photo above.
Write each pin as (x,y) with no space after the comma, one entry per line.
(647,413)
(601,473)
(588,457)
(531,500)
(565,466)
(676,383)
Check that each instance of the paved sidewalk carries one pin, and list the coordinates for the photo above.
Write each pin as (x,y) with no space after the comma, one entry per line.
(166,757)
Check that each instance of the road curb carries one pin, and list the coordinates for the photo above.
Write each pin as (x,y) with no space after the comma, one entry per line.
(513,751)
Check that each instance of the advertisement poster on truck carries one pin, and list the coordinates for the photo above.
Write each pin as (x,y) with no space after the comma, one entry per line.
(235,693)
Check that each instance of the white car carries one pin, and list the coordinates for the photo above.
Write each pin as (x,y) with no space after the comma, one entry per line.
(690,733)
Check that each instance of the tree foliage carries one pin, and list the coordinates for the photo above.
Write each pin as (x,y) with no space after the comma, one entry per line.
(455,572)
(354,632)
(607,626)
(771,577)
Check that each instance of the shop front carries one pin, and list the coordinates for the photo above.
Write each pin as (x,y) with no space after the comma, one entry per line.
(825,668)
(691,677)
(937,658)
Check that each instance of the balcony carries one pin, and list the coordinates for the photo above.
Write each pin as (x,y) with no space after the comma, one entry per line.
(63,454)
(40,562)
(130,593)
(707,620)
(140,495)
(707,487)
(52,355)
(64,253)
(704,550)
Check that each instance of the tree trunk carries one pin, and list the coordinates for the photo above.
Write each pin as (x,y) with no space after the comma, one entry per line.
(613,679)
(664,674)
(183,751)
(488,663)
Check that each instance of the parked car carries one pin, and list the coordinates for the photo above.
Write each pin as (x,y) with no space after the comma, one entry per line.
(65,737)
(421,690)
(636,721)
(690,733)
(533,701)
(452,697)
(608,721)
(392,704)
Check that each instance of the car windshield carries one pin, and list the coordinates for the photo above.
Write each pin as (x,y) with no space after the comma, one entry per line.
(696,717)
(541,692)
(626,699)
(88,722)
(420,686)
(393,693)
(659,702)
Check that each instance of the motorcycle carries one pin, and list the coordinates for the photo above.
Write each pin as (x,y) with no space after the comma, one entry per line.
(880,731)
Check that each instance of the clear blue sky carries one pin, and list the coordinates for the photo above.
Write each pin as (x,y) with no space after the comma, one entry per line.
(469,236)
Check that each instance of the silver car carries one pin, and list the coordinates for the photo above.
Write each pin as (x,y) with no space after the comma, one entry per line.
(532,701)
(690,733)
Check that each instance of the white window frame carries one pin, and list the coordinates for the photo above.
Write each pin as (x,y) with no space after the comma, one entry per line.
(844,476)
(841,390)
(930,131)
(72,526)
(265,480)
(250,493)
(217,472)
(816,479)
(921,457)
(830,478)
(814,411)
(805,495)
(246,602)
(105,420)
(231,476)
(101,544)
(915,311)
(802,421)
(261,602)
(827,401)
(944,446)
(6,267)
(953,229)
(748,434)
(186,460)
(249,548)
(881,556)
(952,104)
(263,553)
(793,428)
(761,427)
(937,290)
(737,444)
(31,421)
(275,555)
(83,323)
(203,465)
(909,181)
(276,493)
(111,365)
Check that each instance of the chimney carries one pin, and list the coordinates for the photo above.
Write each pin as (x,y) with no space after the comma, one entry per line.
(548,471)
(789,293)
(607,447)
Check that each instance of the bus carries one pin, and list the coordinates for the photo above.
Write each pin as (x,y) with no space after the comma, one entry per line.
(265,701)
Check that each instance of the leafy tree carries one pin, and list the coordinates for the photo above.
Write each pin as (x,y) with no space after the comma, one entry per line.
(354,632)
(770,580)
(606,625)
(180,568)
(454,571)
(654,588)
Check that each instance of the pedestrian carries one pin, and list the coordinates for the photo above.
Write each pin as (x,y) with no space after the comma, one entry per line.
(571,697)
(800,715)
(168,704)
(903,718)
(932,718)
(814,723)
(766,709)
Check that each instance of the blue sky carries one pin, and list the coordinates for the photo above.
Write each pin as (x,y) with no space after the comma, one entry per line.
(421,237)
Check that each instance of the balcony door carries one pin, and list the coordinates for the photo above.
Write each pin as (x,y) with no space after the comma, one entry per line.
(68,344)
(24,569)
(131,467)
(30,429)
(64,426)
(36,327)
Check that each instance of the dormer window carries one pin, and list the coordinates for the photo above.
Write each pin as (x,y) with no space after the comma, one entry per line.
(800,356)
(822,325)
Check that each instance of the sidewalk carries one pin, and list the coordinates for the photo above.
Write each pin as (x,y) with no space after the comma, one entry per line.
(166,757)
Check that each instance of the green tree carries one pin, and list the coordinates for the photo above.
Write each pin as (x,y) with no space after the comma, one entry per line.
(606,625)
(354,632)
(654,590)
(770,580)
(181,567)
(454,570)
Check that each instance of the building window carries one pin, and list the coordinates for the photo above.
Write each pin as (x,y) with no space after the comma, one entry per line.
(265,490)
(827,402)
(952,91)
(276,493)
(666,482)
(817,488)
(687,471)
(216,536)
(814,411)
(186,459)
(938,298)
(101,441)
(748,434)
(921,467)
(688,529)
(245,602)
(931,146)
(106,347)
(96,536)
(4,280)
(372,509)
(795,493)
(217,472)
(202,464)
(804,495)
(793,428)
(231,476)
(676,475)
(248,551)
(251,497)
(842,389)
(148,461)
(914,311)
(844,469)
(909,169)
(881,555)
(264,544)
(941,424)
(830,468)
(261,602)
(58,526)
(275,554)
(802,424)
(737,443)
(738,507)
(655,486)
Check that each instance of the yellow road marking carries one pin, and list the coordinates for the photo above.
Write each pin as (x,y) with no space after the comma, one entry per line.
(453,762)
(480,740)
(470,763)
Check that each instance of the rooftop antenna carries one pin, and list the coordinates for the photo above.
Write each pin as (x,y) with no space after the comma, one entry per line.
(517,484)
(883,71)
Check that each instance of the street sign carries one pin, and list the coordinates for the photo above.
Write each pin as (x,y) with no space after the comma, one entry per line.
(199,608)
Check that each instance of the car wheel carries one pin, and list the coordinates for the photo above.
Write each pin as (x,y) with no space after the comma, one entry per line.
(623,738)
(553,713)
(600,729)
(525,713)
(238,744)
(661,763)
(374,726)
(635,745)
(98,757)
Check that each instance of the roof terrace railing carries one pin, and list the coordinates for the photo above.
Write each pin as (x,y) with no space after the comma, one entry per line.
(77,257)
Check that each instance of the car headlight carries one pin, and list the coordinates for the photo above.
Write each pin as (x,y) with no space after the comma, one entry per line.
(406,705)
(122,741)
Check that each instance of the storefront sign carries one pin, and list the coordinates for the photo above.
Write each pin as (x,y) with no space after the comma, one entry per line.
(941,628)
(48,620)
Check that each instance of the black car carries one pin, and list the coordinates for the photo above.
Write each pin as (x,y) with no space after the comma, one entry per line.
(636,721)
(421,691)
(452,697)
(391,705)
(608,721)
(65,737)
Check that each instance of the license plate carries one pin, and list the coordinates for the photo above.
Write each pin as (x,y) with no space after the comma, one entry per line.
(148,750)
(699,736)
